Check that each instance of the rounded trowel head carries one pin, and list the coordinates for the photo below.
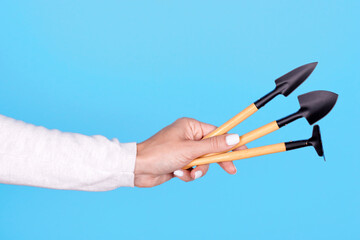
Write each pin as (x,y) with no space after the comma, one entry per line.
(316,105)
(290,81)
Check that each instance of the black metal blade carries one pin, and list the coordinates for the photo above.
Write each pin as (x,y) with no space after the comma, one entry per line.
(316,142)
(287,83)
(316,105)
(290,81)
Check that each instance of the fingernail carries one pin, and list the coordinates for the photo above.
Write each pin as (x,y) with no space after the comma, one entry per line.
(198,174)
(235,170)
(179,173)
(232,139)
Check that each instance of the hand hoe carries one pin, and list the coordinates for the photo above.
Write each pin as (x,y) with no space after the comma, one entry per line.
(314,141)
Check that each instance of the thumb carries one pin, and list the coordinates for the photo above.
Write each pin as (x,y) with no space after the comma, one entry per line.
(214,144)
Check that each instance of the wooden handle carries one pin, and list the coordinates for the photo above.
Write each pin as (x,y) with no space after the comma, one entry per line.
(238,118)
(231,156)
(253,135)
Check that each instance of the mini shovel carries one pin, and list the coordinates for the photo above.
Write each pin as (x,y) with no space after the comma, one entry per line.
(314,141)
(313,106)
(285,85)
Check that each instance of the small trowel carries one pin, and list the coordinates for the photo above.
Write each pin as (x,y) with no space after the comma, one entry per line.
(285,85)
(313,107)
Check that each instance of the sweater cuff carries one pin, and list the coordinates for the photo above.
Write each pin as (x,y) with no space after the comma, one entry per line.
(126,174)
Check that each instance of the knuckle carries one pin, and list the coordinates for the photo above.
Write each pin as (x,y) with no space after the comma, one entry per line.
(215,143)
(185,120)
(182,119)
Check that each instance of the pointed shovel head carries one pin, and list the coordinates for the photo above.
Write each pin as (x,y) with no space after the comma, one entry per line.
(315,105)
(316,142)
(290,81)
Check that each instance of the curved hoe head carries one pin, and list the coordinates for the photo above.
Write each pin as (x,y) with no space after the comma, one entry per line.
(316,142)
(316,105)
(290,81)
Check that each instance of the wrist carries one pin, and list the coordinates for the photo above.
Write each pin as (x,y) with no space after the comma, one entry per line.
(139,162)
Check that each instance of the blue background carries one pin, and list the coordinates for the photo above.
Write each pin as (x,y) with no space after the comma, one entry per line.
(127,69)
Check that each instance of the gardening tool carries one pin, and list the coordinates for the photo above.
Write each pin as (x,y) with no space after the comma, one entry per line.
(313,107)
(314,141)
(285,85)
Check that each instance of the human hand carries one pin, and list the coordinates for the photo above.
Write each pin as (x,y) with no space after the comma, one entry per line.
(165,154)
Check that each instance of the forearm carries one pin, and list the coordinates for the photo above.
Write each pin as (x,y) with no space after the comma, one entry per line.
(36,156)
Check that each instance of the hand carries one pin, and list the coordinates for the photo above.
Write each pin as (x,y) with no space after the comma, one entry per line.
(165,154)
